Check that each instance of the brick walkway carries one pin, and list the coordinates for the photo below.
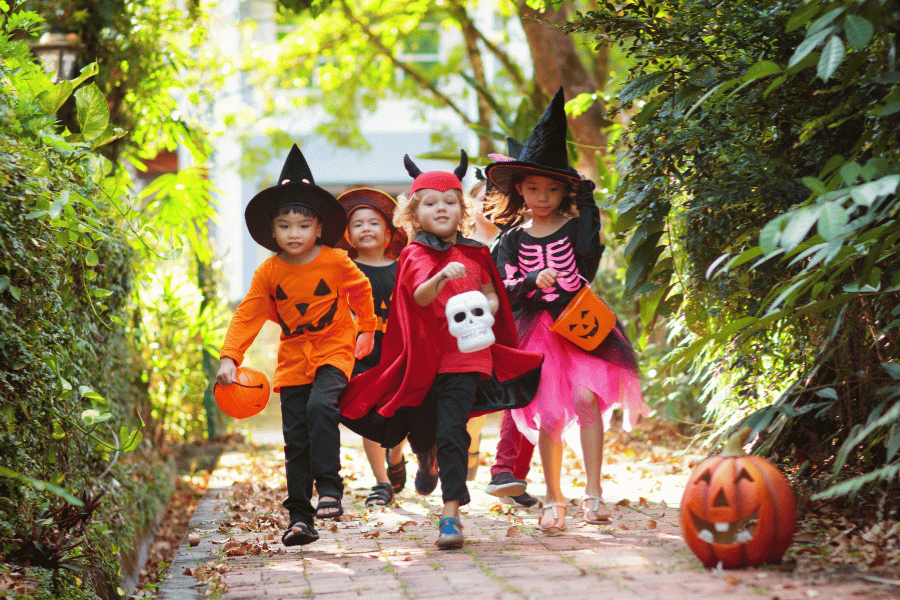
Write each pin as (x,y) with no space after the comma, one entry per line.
(390,554)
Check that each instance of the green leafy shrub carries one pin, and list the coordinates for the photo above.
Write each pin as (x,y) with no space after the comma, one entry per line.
(759,194)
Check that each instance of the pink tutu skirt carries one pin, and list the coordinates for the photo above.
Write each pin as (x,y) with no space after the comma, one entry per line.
(610,372)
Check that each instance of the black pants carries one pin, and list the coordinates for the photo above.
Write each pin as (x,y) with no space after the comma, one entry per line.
(453,395)
(312,441)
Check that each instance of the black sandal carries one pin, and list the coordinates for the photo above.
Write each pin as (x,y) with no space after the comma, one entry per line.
(396,473)
(330,504)
(382,495)
(306,535)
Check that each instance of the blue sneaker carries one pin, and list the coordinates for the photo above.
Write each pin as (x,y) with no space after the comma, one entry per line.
(449,534)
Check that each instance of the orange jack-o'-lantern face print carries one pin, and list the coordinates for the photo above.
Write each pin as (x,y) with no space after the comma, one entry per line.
(317,298)
(737,510)
(587,327)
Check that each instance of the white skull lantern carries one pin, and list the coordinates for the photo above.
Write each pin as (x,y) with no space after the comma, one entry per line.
(470,320)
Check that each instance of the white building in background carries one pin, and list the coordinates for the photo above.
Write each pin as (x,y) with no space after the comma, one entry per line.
(392,131)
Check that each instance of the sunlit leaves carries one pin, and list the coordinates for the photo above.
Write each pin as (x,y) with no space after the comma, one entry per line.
(832,220)
(859,32)
(808,45)
(641,85)
(832,55)
(763,68)
(93,111)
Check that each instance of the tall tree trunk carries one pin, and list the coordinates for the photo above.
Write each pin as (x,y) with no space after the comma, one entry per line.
(471,37)
(557,63)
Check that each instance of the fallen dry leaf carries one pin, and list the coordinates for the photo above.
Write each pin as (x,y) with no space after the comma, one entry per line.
(651,524)
(513,532)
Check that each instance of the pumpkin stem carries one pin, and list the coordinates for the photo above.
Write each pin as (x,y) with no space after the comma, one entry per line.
(734,445)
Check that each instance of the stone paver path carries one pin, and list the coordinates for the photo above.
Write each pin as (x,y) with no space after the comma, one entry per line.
(388,554)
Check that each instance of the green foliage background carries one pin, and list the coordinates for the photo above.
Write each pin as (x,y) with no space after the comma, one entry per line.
(759,196)
(108,298)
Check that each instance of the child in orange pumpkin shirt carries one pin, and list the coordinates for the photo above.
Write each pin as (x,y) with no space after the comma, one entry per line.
(309,289)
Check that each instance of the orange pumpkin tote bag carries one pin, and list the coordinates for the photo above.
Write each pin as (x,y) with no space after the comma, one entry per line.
(586,320)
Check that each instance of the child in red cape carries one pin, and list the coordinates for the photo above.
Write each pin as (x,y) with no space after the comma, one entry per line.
(424,388)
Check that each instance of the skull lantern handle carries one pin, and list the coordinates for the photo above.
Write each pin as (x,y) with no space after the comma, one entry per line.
(470,321)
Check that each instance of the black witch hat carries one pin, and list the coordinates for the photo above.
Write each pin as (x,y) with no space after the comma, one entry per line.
(544,152)
(301,189)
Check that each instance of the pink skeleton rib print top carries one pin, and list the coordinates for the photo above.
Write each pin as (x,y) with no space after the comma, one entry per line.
(521,257)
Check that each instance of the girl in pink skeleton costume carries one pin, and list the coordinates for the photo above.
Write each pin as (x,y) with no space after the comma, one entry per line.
(544,262)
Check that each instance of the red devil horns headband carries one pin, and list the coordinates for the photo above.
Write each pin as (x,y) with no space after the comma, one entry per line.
(436,180)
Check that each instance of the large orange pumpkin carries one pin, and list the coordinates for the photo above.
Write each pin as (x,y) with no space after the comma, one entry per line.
(737,509)
(246,397)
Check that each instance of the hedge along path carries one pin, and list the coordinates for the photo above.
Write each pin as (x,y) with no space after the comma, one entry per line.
(389,552)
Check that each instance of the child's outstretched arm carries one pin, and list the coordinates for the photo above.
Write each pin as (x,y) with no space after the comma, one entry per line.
(428,291)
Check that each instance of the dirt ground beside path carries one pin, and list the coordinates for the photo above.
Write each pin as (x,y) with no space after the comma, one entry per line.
(233,549)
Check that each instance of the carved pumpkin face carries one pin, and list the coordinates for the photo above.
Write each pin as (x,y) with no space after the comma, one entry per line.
(586,321)
(247,396)
(737,510)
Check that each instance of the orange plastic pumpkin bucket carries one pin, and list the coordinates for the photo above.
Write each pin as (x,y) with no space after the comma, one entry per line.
(247,396)
(586,321)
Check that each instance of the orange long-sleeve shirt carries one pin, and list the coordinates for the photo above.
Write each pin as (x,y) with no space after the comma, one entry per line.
(311,303)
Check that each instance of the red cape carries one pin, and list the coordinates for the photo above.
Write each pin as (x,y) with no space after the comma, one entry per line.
(410,357)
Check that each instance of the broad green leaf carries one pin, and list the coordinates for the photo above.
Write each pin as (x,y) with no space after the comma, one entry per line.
(824,20)
(888,105)
(91,258)
(641,85)
(893,442)
(761,69)
(832,220)
(63,91)
(833,163)
(58,204)
(868,193)
(850,173)
(4,283)
(832,55)
(744,257)
(93,111)
(704,77)
(109,134)
(802,16)
(770,234)
(798,225)
(641,264)
(808,45)
(859,31)
(827,393)
(91,417)
(886,110)
(86,72)
(815,185)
